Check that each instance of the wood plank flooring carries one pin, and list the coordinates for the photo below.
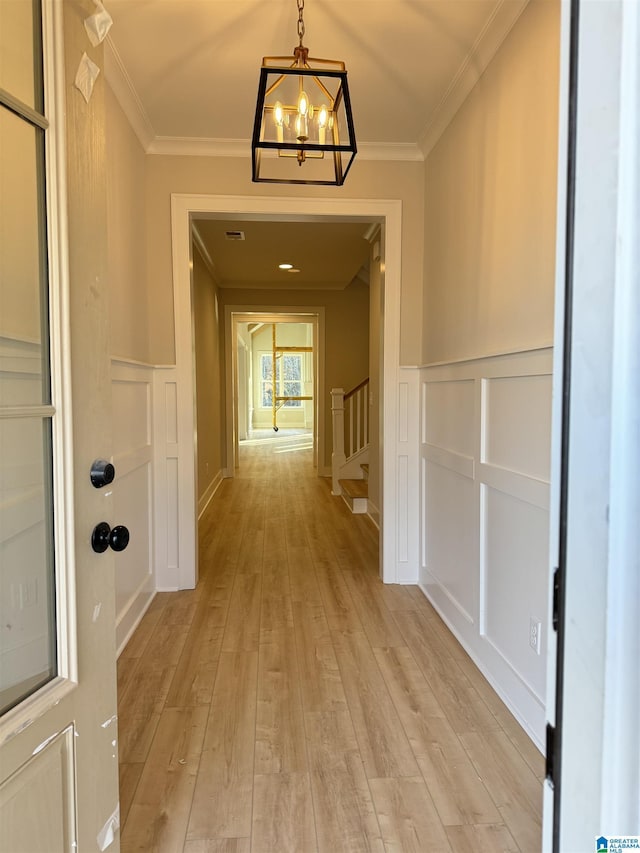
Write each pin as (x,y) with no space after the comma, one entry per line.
(292,703)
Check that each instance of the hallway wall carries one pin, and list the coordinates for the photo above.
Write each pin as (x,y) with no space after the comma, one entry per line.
(490,203)
(132,372)
(490,191)
(346,333)
(232,176)
(126,238)
(209,379)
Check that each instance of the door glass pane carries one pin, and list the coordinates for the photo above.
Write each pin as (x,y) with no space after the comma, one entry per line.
(20,51)
(24,367)
(27,617)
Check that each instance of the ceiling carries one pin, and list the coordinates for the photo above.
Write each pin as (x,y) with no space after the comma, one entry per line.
(186,72)
(328,255)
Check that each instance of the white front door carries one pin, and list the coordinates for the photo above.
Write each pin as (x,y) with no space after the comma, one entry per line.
(58,729)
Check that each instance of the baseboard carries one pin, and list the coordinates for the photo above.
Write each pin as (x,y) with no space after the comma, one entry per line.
(374,514)
(130,620)
(528,725)
(212,488)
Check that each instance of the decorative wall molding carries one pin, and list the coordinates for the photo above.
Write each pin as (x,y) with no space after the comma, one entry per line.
(497,28)
(485,433)
(133,501)
(118,79)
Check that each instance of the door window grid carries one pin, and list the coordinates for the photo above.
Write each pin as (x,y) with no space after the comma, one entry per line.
(28,636)
(288,379)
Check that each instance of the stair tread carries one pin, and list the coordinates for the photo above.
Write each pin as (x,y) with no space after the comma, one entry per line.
(355,488)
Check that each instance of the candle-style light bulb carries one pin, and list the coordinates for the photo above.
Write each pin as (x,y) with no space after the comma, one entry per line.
(323,120)
(278,118)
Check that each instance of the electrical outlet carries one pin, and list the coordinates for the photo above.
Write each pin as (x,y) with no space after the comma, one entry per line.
(535,634)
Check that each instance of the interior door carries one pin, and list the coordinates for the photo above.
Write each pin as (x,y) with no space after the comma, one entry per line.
(58,729)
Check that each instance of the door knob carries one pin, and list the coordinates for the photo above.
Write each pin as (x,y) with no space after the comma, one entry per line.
(102,473)
(119,537)
(104,537)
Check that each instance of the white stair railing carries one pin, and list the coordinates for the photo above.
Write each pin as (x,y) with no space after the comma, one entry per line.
(350,418)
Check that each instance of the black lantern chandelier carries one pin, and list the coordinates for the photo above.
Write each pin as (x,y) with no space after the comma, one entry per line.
(303,126)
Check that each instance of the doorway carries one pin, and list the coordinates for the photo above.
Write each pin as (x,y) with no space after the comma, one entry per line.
(274,380)
(388,214)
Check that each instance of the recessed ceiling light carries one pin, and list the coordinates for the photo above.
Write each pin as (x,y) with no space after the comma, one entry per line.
(285,266)
(293,269)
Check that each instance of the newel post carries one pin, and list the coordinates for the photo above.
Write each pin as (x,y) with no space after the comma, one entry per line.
(337,457)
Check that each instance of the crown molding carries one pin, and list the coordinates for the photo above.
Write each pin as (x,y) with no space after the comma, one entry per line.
(192,146)
(200,147)
(126,95)
(497,28)
(201,247)
(396,151)
(294,284)
(495,31)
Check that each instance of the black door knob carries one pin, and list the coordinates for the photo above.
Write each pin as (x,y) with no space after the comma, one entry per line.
(102,473)
(119,538)
(104,537)
(100,537)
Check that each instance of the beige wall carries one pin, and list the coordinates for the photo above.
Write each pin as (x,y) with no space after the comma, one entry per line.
(209,394)
(223,176)
(490,196)
(346,332)
(126,228)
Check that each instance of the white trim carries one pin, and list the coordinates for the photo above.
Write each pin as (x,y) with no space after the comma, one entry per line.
(118,79)
(495,31)
(132,627)
(189,146)
(63,477)
(207,497)
(387,210)
(621,740)
(48,696)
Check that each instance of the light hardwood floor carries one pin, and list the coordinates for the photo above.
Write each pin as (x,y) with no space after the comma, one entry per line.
(292,702)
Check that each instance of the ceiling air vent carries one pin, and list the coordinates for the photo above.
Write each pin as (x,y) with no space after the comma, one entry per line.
(234,235)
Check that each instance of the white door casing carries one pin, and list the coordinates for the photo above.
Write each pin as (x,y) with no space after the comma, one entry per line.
(58,748)
(398,539)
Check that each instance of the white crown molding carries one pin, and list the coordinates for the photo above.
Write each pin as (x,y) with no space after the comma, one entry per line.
(497,28)
(199,243)
(199,147)
(396,151)
(294,284)
(192,146)
(126,95)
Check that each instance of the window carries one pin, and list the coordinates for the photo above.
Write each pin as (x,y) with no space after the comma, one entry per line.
(288,379)
(27,572)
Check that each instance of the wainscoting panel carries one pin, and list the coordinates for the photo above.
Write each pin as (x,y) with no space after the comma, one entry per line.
(168,486)
(133,506)
(516,547)
(484,504)
(450,540)
(407,489)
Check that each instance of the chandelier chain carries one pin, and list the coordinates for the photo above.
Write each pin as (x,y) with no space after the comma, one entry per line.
(300,20)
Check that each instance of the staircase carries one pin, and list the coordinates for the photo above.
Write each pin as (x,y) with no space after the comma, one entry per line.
(355,493)
(350,457)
